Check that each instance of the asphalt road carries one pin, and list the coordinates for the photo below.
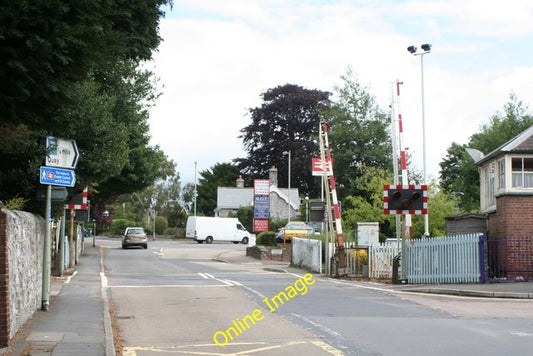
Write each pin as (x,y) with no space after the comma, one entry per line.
(175,299)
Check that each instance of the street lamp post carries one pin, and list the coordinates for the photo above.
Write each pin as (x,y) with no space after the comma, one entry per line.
(426,48)
(195,192)
(307,208)
(289,187)
(154,216)
(94,232)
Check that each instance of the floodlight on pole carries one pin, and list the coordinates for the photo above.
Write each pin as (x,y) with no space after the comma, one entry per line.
(426,48)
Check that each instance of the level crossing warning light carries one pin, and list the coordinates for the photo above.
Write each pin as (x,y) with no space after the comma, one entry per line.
(405,199)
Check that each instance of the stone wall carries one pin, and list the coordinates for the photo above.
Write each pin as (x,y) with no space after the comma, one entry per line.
(21,250)
(259,252)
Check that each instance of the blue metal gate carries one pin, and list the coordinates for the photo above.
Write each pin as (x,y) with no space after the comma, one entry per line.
(451,259)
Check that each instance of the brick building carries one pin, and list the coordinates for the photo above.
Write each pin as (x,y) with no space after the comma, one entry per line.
(506,197)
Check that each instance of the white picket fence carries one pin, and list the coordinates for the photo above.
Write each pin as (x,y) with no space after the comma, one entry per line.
(450,259)
(380,260)
(374,262)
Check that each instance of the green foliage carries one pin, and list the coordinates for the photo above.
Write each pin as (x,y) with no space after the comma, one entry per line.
(359,136)
(266,238)
(161,223)
(72,72)
(275,225)
(246,217)
(47,45)
(287,120)
(16,203)
(440,205)
(119,225)
(359,209)
(458,172)
(220,175)
(502,126)
(459,176)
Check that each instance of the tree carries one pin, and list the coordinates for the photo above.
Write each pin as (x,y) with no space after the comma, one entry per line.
(187,197)
(358,136)
(70,71)
(220,175)
(458,171)
(502,126)
(46,46)
(459,176)
(356,209)
(440,205)
(288,120)
(245,215)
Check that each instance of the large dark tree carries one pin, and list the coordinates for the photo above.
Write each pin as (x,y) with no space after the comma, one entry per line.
(220,175)
(69,70)
(46,45)
(458,172)
(288,120)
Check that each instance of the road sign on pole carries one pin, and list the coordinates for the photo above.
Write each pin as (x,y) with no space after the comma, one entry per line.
(61,153)
(57,176)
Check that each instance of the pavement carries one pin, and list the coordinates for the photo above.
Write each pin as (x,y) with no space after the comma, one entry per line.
(78,320)
(79,323)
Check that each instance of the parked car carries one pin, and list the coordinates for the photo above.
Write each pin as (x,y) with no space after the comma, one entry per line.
(296,229)
(134,236)
(279,236)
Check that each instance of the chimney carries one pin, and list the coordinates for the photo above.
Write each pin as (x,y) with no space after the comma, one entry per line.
(273,176)
(240,182)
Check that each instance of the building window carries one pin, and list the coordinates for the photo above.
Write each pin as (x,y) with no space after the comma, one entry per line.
(522,172)
(501,173)
(489,184)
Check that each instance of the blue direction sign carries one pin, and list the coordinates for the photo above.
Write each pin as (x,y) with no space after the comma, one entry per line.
(57,176)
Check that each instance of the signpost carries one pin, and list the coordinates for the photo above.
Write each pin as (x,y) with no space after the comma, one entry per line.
(261,204)
(58,193)
(62,157)
(61,153)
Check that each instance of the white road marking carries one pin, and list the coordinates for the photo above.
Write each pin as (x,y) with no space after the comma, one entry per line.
(319,326)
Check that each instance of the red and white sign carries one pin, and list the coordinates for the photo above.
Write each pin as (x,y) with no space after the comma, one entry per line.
(260,224)
(83,205)
(317,167)
(261,187)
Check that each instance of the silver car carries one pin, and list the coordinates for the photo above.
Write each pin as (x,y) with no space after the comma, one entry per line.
(134,236)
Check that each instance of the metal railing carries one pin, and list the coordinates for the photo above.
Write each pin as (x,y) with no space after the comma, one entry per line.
(451,259)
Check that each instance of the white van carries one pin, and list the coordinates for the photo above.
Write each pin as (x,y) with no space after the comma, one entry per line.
(209,229)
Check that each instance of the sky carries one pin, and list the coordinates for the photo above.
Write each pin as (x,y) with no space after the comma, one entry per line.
(218,57)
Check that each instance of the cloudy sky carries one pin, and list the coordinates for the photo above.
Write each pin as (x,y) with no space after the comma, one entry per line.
(217,57)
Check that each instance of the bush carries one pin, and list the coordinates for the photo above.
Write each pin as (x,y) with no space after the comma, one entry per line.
(161,223)
(119,225)
(266,238)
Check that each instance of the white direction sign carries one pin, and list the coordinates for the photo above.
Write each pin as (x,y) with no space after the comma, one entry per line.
(61,153)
